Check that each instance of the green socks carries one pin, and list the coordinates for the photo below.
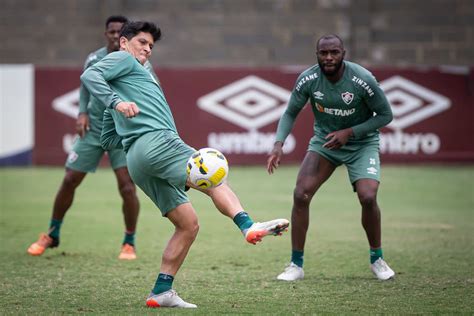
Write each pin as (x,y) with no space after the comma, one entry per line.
(164,283)
(55,228)
(243,221)
(375,254)
(129,238)
(297,257)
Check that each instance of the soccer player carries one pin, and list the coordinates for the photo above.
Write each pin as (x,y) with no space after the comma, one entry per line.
(344,98)
(139,118)
(86,155)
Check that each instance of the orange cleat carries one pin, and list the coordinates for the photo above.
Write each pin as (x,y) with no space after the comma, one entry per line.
(44,241)
(257,231)
(128,252)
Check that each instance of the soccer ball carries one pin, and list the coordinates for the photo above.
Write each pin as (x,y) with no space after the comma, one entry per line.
(207,168)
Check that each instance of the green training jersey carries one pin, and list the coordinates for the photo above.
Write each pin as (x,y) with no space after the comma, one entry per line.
(356,101)
(91,105)
(88,104)
(120,77)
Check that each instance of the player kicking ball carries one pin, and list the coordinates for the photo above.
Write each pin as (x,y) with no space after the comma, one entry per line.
(139,119)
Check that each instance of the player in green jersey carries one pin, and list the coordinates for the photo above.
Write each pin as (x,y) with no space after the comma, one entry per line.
(139,118)
(344,98)
(86,155)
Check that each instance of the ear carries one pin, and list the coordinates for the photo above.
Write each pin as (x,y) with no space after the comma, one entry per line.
(123,42)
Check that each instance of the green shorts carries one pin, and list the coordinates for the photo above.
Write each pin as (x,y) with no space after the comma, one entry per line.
(360,157)
(87,152)
(157,164)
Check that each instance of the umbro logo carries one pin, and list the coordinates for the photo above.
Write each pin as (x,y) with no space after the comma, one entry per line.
(411,102)
(372,170)
(318,95)
(250,102)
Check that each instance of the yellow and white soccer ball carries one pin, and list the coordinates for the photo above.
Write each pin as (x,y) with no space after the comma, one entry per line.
(207,168)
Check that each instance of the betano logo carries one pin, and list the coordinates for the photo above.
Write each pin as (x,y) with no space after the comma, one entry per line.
(411,103)
(250,103)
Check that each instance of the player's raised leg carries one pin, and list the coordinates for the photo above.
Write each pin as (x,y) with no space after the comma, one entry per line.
(185,220)
(63,201)
(227,202)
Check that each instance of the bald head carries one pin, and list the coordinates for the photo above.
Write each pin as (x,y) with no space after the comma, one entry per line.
(330,37)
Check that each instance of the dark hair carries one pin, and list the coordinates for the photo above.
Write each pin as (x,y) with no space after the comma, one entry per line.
(115,18)
(329,36)
(131,29)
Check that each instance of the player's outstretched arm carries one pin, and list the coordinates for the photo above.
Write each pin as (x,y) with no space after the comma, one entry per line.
(285,125)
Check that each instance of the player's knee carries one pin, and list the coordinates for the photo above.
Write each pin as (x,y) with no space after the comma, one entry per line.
(71,181)
(192,230)
(367,198)
(302,196)
(127,190)
(195,230)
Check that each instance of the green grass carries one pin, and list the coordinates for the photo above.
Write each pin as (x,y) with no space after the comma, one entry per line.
(428,238)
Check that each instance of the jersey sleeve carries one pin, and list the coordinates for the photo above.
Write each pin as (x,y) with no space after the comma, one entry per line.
(297,101)
(109,139)
(379,105)
(84,95)
(96,77)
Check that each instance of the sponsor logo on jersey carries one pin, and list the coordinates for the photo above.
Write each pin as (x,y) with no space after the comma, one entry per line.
(304,80)
(364,85)
(347,97)
(318,95)
(336,112)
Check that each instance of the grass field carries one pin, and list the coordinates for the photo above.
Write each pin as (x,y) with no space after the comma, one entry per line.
(428,238)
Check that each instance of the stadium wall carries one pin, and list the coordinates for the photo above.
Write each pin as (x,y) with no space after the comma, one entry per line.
(245,32)
(236,110)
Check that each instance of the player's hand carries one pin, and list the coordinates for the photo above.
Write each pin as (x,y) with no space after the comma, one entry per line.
(82,124)
(274,159)
(129,109)
(337,139)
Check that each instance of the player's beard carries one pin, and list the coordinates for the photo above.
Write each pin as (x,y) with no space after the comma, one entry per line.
(332,72)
